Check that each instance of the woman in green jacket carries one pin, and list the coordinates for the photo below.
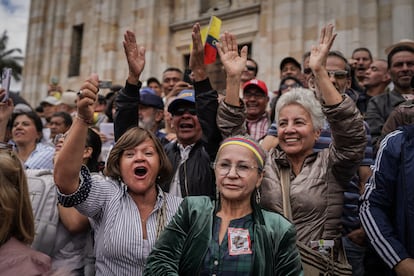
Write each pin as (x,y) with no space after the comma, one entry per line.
(230,236)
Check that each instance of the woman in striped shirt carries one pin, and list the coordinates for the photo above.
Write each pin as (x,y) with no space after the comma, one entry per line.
(127,209)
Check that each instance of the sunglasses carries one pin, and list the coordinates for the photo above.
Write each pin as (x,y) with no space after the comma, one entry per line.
(339,74)
(286,86)
(250,68)
(180,111)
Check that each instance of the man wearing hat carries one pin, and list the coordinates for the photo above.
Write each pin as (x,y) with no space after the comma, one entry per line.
(255,99)
(289,66)
(151,112)
(67,103)
(49,105)
(198,137)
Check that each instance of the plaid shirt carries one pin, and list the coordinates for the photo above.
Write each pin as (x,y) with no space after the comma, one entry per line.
(218,261)
(257,129)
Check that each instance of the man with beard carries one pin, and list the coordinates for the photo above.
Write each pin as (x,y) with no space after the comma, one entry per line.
(151,112)
(401,69)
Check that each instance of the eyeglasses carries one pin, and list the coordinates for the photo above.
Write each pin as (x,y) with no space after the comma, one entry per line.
(339,74)
(58,137)
(242,170)
(307,71)
(286,86)
(251,68)
(249,94)
(180,111)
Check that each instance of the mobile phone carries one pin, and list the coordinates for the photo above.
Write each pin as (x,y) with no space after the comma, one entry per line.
(5,82)
(105,84)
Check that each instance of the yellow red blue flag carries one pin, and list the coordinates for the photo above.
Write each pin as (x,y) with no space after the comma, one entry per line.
(213,35)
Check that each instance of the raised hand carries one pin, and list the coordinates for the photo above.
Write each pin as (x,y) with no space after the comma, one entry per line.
(135,57)
(197,55)
(6,107)
(319,53)
(234,64)
(87,96)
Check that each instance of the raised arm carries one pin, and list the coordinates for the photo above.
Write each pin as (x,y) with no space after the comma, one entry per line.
(6,109)
(128,99)
(69,160)
(234,65)
(317,62)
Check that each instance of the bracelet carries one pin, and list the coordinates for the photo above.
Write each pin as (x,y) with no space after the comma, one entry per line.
(88,122)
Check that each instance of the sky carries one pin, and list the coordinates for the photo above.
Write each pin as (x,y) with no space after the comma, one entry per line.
(14,16)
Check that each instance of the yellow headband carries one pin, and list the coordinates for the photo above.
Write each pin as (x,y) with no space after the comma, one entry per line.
(260,155)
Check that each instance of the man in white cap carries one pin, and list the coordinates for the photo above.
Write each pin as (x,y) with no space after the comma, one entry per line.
(67,103)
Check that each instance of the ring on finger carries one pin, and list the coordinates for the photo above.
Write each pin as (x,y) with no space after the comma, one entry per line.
(80,94)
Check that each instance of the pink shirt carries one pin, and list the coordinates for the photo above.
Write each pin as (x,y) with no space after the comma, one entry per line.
(16,258)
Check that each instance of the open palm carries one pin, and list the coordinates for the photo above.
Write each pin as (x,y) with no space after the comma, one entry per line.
(319,53)
(233,63)
(135,55)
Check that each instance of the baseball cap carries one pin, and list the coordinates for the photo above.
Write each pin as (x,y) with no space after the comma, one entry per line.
(149,99)
(49,100)
(402,42)
(187,95)
(69,98)
(287,60)
(146,90)
(255,82)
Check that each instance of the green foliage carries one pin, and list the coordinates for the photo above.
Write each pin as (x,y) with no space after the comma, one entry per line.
(9,58)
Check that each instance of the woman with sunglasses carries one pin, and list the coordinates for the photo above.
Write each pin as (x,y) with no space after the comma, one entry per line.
(127,208)
(232,235)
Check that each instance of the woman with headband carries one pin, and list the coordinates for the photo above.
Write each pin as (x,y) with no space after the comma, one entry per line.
(232,235)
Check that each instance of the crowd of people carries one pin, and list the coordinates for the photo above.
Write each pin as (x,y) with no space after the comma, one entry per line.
(193,181)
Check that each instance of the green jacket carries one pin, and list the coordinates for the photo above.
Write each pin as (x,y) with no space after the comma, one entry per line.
(181,248)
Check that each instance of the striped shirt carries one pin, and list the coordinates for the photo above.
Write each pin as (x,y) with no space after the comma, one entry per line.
(119,244)
(41,157)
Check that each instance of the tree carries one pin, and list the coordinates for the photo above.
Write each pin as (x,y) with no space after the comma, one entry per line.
(9,59)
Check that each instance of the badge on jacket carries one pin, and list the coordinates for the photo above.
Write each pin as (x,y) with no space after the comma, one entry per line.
(239,241)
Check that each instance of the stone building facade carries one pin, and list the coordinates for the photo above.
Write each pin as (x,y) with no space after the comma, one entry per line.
(71,39)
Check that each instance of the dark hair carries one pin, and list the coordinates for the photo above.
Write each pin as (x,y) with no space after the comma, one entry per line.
(341,56)
(153,79)
(257,65)
(397,49)
(363,49)
(130,139)
(35,119)
(94,141)
(67,119)
(173,69)
(108,109)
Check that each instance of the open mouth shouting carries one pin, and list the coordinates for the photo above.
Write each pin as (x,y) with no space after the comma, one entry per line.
(140,171)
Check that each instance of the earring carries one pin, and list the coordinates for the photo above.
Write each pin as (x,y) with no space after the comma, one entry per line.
(257,196)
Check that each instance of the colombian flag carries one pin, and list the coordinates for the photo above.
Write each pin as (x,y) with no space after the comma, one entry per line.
(213,34)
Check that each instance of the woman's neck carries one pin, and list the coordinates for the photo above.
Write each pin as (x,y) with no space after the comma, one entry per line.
(297,161)
(145,202)
(24,151)
(231,209)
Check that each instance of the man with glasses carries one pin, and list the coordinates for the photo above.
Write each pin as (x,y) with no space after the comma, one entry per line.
(249,73)
(255,99)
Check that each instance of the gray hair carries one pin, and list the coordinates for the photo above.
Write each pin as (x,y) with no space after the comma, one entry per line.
(305,98)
